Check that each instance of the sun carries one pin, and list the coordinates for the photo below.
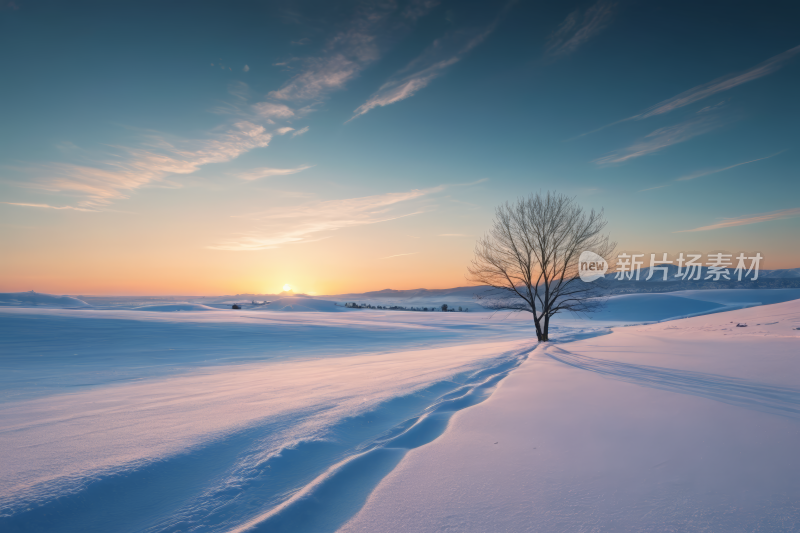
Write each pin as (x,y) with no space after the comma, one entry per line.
(287,288)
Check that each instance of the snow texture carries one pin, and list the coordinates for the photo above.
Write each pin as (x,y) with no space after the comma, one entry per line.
(123,419)
(689,425)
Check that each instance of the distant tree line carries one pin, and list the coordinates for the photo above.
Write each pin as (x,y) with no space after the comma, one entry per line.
(444,308)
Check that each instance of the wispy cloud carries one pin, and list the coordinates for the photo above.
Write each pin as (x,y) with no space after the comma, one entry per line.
(101,179)
(266,172)
(579,27)
(656,187)
(709,172)
(748,219)
(700,92)
(399,255)
(131,168)
(431,64)
(310,221)
(323,75)
(453,235)
(350,50)
(270,110)
(714,171)
(300,131)
(112,176)
(718,85)
(46,206)
(660,139)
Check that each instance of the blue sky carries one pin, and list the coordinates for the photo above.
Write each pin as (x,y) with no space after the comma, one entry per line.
(246,143)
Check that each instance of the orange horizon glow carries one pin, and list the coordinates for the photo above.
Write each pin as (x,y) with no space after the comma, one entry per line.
(167,253)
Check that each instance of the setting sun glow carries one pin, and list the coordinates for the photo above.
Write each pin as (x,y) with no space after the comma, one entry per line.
(287,287)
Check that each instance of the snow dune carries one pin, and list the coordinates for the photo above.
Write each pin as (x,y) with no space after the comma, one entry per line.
(167,308)
(296,304)
(265,420)
(652,308)
(233,436)
(36,299)
(687,425)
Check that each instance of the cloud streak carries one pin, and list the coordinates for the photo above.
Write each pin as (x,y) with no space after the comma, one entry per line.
(273,111)
(431,64)
(46,206)
(709,172)
(310,221)
(700,92)
(714,171)
(399,255)
(266,172)
(351,50)
(660,139)
(299,132)
(577,28)
(718,85)
(115,178)
(748,219)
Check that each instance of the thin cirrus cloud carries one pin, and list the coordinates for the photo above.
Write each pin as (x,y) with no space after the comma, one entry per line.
(351,50)
(748,219)
(431,64)
(718,85)
(311,221)
(700,92)
(273,111)
(115,178)
(47,206)
(265,172)
(704,173)
(714,171)
(578,28)
(299,132)
(399,255)
(116,175)
(660,139)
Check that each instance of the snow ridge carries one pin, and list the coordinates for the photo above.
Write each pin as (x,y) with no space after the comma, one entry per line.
(336,495)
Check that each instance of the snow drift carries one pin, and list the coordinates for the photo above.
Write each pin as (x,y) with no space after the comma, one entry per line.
(303,304)
(37,299)
(185,306)
(688,425)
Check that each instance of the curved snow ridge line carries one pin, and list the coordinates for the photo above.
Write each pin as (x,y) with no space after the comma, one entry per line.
(761,397)
(336,495)
(723,308)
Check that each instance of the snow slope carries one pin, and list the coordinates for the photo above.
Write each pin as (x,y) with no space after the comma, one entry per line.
(688,425)
(226,420)
(304,305)
(36,299)
(167,308)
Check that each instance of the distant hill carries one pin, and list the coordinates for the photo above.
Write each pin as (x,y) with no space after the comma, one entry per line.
(38,299)
(454,297)
(672,271)
(303,304)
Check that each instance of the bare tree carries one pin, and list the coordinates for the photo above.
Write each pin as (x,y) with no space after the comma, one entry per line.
(530,257)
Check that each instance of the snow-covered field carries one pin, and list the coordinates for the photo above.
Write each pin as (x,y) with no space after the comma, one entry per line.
(688,425)
(185,417)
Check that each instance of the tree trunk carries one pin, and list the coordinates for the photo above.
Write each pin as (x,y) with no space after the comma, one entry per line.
(539,335)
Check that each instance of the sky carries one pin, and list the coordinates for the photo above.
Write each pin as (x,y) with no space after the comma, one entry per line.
(234,147)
